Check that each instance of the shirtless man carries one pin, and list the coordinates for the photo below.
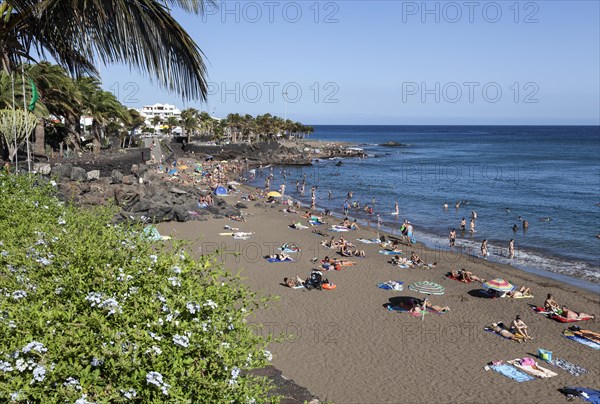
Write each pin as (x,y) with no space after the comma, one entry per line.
(472,226)
(463,224)
(452,237)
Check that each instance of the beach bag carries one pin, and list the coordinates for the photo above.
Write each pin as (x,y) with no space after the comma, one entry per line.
(544,355)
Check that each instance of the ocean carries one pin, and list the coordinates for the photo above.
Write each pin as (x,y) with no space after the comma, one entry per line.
(547,175)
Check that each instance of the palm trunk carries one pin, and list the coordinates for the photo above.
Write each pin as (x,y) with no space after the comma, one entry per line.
(40,138)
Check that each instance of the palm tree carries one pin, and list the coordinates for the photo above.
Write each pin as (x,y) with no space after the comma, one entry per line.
(172,122)
(78,34)
(155,121)
(189,122)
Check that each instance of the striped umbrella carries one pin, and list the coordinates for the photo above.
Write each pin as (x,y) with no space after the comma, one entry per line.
(499,285)
(428,288)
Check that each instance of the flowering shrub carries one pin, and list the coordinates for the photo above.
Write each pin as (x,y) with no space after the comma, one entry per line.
(94,312)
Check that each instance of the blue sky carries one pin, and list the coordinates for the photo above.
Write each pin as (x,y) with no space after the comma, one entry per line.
(393,62)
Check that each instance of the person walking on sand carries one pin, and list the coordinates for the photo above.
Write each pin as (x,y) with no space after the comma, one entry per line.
(511,248)
(282,190)
(484,248)
(463,224)
(452,237)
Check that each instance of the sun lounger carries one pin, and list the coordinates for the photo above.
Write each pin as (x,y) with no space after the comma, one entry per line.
(532,368)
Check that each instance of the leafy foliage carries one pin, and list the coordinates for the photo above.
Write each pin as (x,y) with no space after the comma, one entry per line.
(95,312)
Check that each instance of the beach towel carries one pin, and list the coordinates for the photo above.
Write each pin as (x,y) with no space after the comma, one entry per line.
(563,364)
(339,228)
(581,340)
(404,266)
(278,260)
(590,395)
(488,329)
(533,369)
(391,285)
(288,250)
(368,241)
(522,297)
(456,279)
(587,334)
(298,226)
(389,252)
(562,319)
(397,308)
(512,373)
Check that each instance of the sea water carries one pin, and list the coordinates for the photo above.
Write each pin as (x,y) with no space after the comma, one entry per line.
(547,175)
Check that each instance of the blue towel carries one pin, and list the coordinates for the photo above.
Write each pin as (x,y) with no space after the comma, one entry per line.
(388,252)
(593,396)
(584,341)
(278,260)
(512,373)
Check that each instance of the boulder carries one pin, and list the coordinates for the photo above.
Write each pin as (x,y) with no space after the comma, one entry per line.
(93,175)
(78,174)
(129,180)
(116,177)
(62,170)
(126,197)
(42,168)
(240,205)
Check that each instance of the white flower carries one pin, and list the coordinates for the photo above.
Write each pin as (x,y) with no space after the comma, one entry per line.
(129,394)
(177,270)
(36,346)
(53,183)
(225,345)
(19,294)
(96,362)
(72,382)
(192,307)
(94,298)
(235,372)
(268,355)
(112,305)
(44,261)
(181,340)
(39,374)
(21,365)
(62,221)
(154,336)
(154,258)
(210,304)
(58,290)
(83,400)
(154,378)
(155,349)
(5,367)
(175,281)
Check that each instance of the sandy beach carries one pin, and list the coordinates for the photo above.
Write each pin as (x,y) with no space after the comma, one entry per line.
(346,347)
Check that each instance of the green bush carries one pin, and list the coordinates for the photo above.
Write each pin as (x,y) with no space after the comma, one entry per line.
(93,312)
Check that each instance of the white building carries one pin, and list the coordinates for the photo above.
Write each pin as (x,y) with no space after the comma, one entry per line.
(164,111)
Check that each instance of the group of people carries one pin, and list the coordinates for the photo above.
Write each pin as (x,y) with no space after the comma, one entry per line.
(551,306)
(518,330)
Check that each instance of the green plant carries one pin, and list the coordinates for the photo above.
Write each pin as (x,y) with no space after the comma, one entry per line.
(95,312)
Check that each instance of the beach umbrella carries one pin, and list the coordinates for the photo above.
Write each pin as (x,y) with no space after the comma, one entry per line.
(499,285)
(428,288)
(274,194)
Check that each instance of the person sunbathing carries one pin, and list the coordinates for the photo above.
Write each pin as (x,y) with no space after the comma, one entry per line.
(551,305)
(307,215)
(397,260)
(433,307)
(523,292)
(281,257)
(396,246)
(354,226)
(573,315)
(416,259)
(505,333)
(293,283)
